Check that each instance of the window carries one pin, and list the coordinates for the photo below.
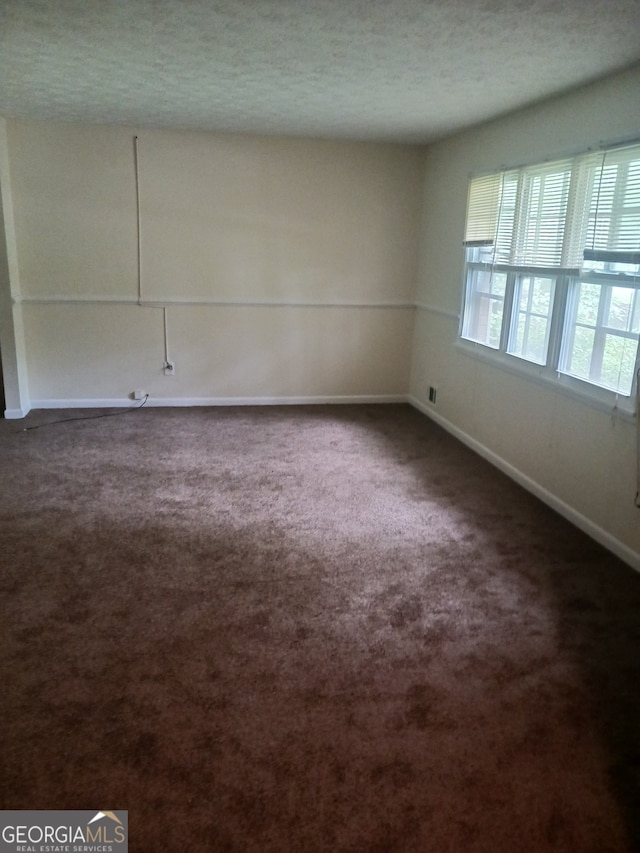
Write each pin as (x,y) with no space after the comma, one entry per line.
(553,271)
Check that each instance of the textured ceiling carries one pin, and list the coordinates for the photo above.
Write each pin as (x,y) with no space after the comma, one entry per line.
(407,70)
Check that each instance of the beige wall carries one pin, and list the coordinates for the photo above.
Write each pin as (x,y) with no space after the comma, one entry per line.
(285,268)
(239,218)
(583,461)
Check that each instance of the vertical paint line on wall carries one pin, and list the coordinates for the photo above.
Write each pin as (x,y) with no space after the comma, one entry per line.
(136,169)
(166,335)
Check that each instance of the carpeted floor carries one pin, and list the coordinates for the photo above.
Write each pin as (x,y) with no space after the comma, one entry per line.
(308,629)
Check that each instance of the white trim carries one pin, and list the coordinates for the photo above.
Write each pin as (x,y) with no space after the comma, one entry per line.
(225,303)
(264,303)
(80,299)
(632,558)
(15,414)
(441,312)
(169,402)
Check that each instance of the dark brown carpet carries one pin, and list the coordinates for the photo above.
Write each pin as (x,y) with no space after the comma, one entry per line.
(308,629)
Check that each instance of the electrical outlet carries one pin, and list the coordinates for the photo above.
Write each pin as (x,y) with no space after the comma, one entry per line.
(139,395)
(169,368)
(432,394)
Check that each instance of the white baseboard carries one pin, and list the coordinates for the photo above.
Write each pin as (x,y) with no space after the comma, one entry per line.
(167,402)
(15,414)
(611,543)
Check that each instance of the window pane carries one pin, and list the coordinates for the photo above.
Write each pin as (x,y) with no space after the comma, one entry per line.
(536,349)
(516,346)
(499,284)
(484,321)
(480,254)
(491,282)
(580,356)
(618,363)
(530,334)
(635,323)
(495,323)
(485,254)
(588,302)
(484,307)
(620,306)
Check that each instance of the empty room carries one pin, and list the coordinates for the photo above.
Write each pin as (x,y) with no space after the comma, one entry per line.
(320,457)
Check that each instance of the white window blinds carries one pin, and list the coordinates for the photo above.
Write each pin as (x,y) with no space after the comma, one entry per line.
(483,204)
(613,232)
(555,215)
(541,212)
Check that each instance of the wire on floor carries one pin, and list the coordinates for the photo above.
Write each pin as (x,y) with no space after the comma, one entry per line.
(89,417)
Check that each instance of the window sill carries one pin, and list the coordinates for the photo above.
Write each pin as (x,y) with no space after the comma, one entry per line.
(590,395)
